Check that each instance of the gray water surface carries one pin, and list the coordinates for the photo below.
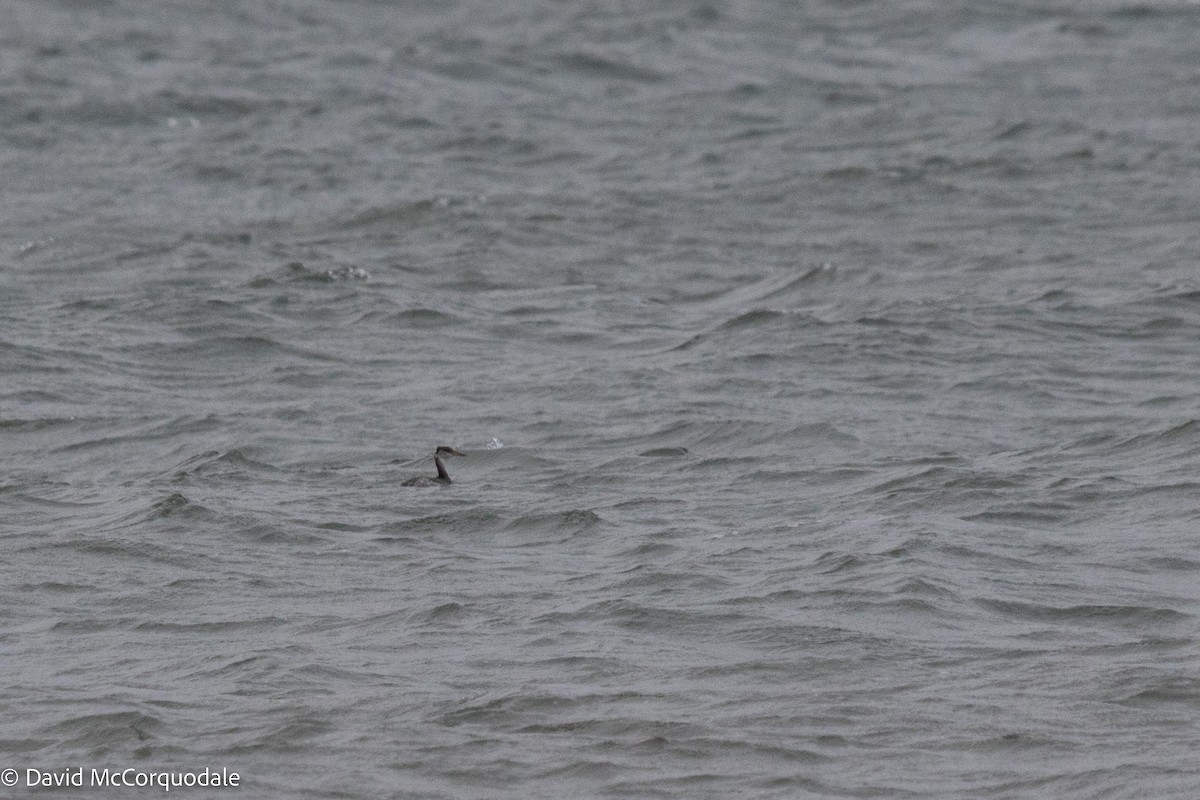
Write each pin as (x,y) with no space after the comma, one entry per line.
(827,375)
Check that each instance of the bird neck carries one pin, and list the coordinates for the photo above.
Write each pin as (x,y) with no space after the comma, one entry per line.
(441,468)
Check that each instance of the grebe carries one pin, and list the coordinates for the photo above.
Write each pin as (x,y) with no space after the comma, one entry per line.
(443,477)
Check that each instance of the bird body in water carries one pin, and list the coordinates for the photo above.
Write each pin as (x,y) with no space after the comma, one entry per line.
(443,477)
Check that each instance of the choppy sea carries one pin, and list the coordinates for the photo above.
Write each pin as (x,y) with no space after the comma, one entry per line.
(826,373)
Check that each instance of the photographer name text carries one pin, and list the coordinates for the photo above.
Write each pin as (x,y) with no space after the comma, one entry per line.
(82,778)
